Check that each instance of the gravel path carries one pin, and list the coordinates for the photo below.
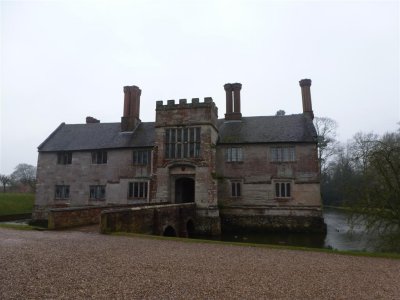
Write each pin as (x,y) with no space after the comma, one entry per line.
(82,265)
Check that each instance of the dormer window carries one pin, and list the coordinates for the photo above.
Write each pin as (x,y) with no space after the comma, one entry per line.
(64,158)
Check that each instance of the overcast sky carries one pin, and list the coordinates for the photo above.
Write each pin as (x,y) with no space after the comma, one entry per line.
(64,60)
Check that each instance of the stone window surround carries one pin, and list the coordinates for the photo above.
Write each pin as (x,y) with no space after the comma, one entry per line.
(234,155)
(182,142)
(99,157)
(280,154)
(141,157)
(138,187)
(64,157)
(61,192)
(285,187)
(236,188)
(97,192)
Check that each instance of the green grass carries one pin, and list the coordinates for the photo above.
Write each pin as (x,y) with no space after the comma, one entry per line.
(269,246)
(17,226)
(16,203)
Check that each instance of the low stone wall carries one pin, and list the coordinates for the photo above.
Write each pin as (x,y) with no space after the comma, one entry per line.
(172,219)
(263,219)
(59,218)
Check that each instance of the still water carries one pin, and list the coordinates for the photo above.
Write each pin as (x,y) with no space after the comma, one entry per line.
(339,236)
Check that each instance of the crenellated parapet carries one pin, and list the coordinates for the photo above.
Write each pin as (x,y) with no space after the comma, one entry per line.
(183,103)
(183,112)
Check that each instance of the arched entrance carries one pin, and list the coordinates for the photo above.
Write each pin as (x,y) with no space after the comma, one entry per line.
(184,190)
(169,231)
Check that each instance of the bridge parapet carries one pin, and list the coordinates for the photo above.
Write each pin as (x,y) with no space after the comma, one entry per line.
(168,219)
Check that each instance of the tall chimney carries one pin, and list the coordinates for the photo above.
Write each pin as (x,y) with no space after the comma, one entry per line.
(233,101)
(130,118)
(305,85)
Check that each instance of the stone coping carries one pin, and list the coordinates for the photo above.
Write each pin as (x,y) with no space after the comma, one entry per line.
(72,208)
(111,210)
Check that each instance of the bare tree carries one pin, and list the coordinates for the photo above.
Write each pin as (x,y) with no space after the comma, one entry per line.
(376,198)
(327,144)
(5,180)
(361,147)
(25,174)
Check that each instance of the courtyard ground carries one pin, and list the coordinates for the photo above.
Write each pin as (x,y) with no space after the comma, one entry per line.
(86,264)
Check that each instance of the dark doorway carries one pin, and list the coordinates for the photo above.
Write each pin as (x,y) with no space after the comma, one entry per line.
(169,231)
(184,190)
(190,229)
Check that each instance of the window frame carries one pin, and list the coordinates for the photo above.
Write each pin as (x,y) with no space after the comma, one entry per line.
(141,157)
(63,190)
(282,154)
(236,188)
(138,190)
(64,158)
(99,192)
(182,142)
(283,189)
(234,154)
(99,157)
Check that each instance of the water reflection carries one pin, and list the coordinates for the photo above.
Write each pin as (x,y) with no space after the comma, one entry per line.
(339,236)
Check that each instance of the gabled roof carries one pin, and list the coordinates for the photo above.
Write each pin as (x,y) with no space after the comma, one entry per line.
(267,129)
(73,137)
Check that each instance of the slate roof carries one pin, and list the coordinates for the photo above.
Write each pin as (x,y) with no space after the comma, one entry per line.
(70,137)
(266,129)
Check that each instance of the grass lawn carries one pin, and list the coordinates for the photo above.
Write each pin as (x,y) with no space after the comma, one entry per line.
(16,203)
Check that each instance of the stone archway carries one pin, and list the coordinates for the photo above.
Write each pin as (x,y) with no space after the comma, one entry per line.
(169,231)
(184,190)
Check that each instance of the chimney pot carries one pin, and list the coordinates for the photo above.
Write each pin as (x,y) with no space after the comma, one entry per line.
(305,82)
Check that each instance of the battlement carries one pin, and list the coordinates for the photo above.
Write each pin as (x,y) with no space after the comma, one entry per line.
(183,103)
(194,113)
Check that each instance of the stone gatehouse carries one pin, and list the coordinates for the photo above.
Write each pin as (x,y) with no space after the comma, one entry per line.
(255,173)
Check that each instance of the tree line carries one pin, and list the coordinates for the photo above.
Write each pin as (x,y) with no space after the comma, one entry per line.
(23,179)
(362,175)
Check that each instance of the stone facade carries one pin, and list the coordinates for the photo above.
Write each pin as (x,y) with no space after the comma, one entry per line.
(81,174)
(170,219)
(257,173)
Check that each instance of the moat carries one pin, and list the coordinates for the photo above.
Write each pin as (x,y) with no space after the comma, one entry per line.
(339,236)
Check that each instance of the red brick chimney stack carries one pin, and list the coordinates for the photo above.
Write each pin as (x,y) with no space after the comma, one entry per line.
(229,98)
(130,118)
(127,95)
(233,101)
(305,85)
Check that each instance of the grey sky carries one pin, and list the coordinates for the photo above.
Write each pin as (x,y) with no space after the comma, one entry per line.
(64,60)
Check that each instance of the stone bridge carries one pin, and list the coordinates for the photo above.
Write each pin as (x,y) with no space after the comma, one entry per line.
(168,220)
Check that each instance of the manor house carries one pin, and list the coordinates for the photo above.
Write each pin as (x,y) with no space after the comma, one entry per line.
(255,173)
